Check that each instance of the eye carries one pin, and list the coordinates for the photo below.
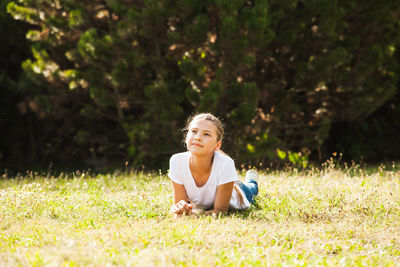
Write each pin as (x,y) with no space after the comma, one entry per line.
(193,131)
(207,134)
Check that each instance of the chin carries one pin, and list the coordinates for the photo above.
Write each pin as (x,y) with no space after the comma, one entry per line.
(194,151)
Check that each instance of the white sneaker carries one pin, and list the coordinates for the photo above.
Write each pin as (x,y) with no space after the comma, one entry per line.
(252,175)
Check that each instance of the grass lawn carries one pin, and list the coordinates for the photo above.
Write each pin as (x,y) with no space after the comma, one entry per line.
(329,216)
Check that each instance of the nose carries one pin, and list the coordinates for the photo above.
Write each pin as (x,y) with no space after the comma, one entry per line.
(197,136)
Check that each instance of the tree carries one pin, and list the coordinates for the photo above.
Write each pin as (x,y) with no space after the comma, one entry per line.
(16,123)
(121,76)
(330,61)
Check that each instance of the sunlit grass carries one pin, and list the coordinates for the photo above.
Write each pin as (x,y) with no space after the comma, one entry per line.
(327,216)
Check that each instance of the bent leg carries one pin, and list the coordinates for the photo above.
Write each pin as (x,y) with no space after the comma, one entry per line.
(250,189)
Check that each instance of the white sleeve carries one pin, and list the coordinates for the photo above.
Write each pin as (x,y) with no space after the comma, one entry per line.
(228,173)
(174,170)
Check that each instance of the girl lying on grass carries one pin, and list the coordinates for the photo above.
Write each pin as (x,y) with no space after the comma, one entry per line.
(204,179)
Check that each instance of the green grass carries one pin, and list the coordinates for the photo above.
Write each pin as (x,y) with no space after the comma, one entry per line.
(325,217)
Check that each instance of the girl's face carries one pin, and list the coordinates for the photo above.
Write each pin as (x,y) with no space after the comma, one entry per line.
(201,138)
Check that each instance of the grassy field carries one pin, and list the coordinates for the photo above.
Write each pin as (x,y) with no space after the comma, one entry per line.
(326,217)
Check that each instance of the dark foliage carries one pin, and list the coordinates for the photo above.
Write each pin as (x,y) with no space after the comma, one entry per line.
(114,80)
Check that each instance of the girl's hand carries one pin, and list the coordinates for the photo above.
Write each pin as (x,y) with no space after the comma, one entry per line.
(213,213)
(182,207)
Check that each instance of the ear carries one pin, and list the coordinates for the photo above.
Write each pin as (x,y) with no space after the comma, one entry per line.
(219,144)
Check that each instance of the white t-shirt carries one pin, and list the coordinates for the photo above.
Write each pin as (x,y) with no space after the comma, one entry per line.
(223,171)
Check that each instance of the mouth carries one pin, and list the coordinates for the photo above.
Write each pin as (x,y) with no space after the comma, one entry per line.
(194,144)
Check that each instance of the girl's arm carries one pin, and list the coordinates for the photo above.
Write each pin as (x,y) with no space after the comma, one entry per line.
(222,199)
(181,204)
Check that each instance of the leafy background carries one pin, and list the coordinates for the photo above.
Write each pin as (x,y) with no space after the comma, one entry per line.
(100,83)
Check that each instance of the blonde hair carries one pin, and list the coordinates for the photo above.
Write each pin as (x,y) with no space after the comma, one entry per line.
(209,117)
